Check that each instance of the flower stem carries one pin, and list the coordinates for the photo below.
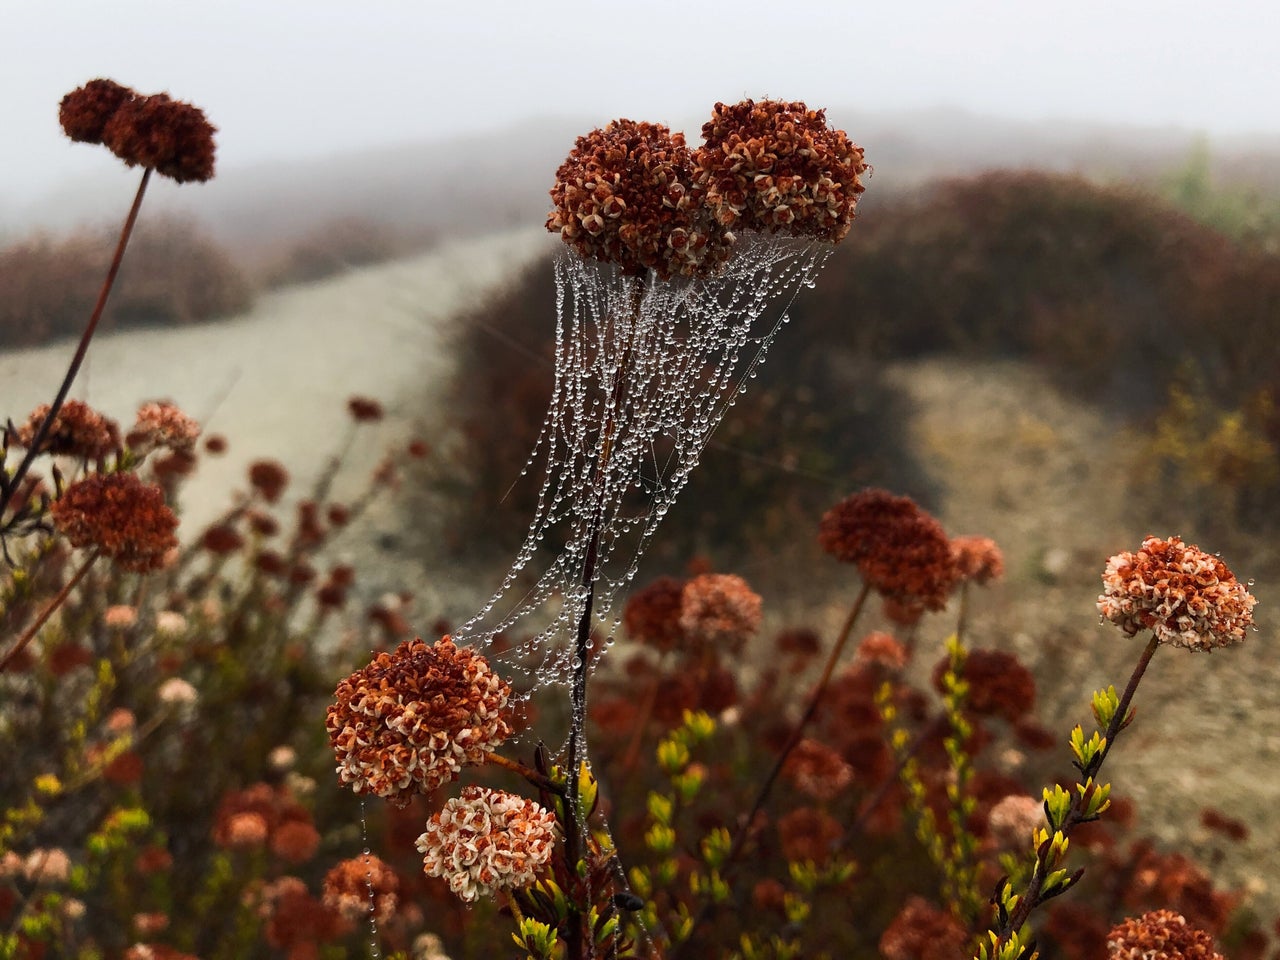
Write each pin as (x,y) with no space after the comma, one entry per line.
(29,634)
(82,348)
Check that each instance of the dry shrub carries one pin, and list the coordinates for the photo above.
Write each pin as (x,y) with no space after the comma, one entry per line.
(339,245)
(174,274)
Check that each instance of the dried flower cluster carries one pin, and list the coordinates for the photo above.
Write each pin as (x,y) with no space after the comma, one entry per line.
(76,431)
(921,931)
(777,166)
(168,136)
(900,551)
(978,559)
(818,770)
(410,720)
(264,816)
(625,195)
(1160,935)
(719,609)
(652,615)
(124,518)
(633,194)
(487,840)
(163,426)
(1187,597)
(360,888)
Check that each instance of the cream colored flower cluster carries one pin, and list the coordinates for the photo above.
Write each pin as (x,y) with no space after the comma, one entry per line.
(1186,596)
(411,720)
(487,840)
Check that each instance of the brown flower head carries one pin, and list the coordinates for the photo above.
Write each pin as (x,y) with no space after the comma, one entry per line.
(410,720)
(899,550)
(1014,819)
(977,559)
(169,136)
(360,888)
(269,478)
(921,931)
(625,195)
(1186,596)
(77,431)
(1160,935)
(880,647)
(487,840)
(295,841)
(652,615)
(777,166)
(296,921)
(719,610)
(120,515)
(84,112)
(818,770)
(999,685)
(163,425)
(364,409)
(261,814)
(808,834)
(222,539)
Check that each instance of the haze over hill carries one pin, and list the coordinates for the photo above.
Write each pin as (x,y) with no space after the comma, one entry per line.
(475,184)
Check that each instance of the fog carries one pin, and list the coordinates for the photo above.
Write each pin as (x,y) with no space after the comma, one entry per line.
(288,80)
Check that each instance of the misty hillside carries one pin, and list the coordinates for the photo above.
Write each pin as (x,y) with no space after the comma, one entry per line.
(476,184)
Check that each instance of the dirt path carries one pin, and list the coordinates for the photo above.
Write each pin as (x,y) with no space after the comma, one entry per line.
(1047,479)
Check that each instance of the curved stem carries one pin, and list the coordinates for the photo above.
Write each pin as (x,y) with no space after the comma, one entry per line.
(81,349)
(48,610)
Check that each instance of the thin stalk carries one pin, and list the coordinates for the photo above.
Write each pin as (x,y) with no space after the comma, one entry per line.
(104,292)
(762,795)
(48,610)
(1031,897)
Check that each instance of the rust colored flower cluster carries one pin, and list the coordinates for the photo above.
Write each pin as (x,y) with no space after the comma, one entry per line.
(360,888)
(269,478)
(77,431)
(1187,597)
(652,615)
(977,559)
(818,770)
(364,409)
(999,685)
(719,609)
(1160,935)
(777,166)
(900,551)
(169,136)
(120,515)
(162,425)
(487,840)
(921,931)
(626,195)
(410,720)
(264,816)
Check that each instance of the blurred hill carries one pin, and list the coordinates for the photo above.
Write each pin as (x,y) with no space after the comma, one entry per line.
(473,185)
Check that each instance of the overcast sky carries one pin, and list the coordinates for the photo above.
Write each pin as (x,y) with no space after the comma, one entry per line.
(286,78)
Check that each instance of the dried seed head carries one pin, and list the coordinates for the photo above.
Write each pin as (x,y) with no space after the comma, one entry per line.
(120,515)
(84,112)
(169,136)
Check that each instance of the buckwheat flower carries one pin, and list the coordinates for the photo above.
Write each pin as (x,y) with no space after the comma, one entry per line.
(364,409)
(269,478)
(882,648)
(73,909)
(626,195)
(170,624)
(124,518)
(77,431)
(295,841)
(176,692)
(47,866)
(222,539)
(719,609)
(1014,819)
(808,834)
(163,425)
(652,615)
(282,758)
(777,166)
(1160,935)
(169,136)
(977,559)
(411,720)
(487,840)
(900,551)
(84,112)
(243,831)
(120,721)
(818,770)
(921,931)
(146,924)
(360,888)
(120,616)
(1185,596)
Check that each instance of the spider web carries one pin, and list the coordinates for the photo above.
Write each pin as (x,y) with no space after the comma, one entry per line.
(645,370)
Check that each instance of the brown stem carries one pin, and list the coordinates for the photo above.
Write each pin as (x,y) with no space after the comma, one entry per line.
(744,829)
(533,776)
(47,612)
(104,292)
